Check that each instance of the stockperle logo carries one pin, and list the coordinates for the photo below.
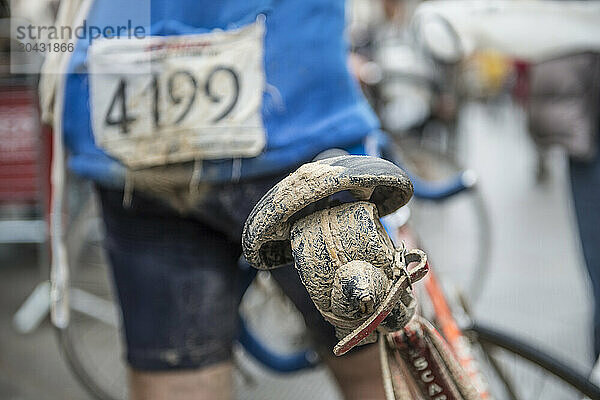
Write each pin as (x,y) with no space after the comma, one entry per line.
(37,33)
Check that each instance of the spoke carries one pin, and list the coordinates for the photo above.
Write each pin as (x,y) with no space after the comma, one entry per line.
(506,381)
(94,306)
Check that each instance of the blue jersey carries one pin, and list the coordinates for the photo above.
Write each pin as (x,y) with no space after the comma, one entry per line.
(311,102)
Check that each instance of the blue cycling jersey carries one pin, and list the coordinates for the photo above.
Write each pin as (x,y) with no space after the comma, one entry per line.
(311,103)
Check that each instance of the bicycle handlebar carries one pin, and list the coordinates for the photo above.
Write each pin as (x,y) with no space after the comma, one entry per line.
(437,191)
(429,190)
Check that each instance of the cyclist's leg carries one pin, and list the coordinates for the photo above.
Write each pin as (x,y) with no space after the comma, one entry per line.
(358,373)
(175,279)
(208,383)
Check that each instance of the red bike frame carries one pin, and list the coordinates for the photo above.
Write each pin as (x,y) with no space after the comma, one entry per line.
(442,366)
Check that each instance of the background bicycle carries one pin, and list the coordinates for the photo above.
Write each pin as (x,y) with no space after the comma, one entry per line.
(419,99)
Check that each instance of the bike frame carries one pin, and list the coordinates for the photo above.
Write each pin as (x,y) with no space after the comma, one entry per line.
(440,366)
(455,375)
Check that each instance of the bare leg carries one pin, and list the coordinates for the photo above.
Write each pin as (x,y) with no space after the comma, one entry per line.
(358,374)
(214,382)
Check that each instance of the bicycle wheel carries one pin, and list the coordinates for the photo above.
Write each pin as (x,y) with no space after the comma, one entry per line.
(91,342)
(279,364)
(270,317)
(516,370)
(458,222)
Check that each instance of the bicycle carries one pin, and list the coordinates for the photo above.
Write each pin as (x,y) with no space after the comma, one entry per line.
(102,372)
(418,100)
(305,220)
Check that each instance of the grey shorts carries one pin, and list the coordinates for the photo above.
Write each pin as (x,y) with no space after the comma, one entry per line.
(178,279)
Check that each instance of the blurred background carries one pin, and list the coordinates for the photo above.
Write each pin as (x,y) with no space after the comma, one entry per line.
(507,242)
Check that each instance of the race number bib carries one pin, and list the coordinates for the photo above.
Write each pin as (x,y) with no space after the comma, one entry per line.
(160,100)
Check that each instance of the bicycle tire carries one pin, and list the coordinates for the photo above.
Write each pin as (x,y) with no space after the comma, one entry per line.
(78,370)
(80,359)
(275,358)
(83,244)
(492,341)
(283,347)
